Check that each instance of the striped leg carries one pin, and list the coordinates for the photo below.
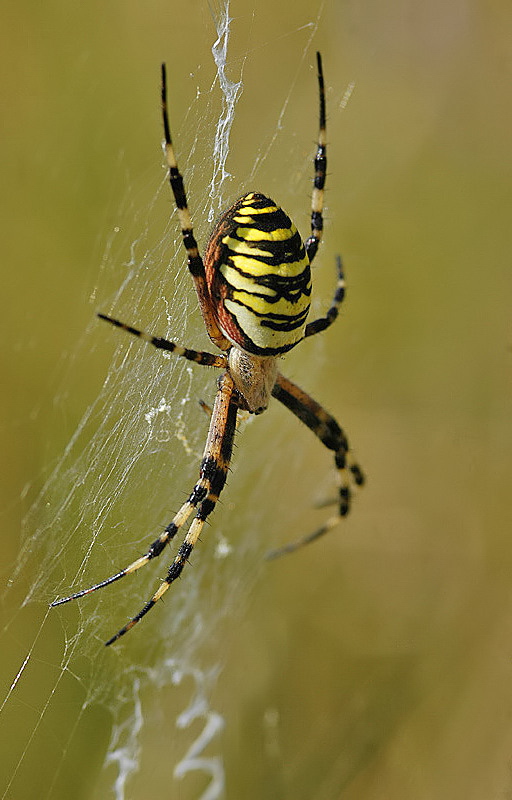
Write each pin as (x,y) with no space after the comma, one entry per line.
(324,322)
(332,436)
(212,477)
(317,200)
(199,356)
(195,262)
(214,468)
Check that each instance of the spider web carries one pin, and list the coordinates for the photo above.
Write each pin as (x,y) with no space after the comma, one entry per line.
(125,471)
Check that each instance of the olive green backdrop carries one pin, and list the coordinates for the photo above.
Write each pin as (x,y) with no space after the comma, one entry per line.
(376,664)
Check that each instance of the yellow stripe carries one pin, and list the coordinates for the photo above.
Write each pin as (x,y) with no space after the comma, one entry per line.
(277,235)
(241,247)
(238,281)
(262,306)
(262,337)
(250,210)
(258,269)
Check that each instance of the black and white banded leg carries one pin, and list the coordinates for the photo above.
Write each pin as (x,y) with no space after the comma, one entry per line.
(322,323)
(204,496)
(320,164)
(332,436)
(198,356)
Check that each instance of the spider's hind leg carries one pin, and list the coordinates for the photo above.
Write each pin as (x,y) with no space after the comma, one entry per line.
(332,436)
(204,496)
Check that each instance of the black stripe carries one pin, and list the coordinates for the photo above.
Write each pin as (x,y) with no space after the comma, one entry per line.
(252,347)
(285,325)
(205,509)
(226,448)
(197,494)
(291,249)
(344,501)
(321,89)
(327,430)
(276,322)
(178,189)
(176,567)
(357,474)
(280,283)
(271,221)
(159,544)
(296,319)
(291,297)
(195,265)
(162,344)
(320,167)
(317,221)
(189,239)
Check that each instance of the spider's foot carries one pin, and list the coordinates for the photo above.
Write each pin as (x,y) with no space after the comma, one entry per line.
(343,500)
(129,625)
(291,547)
(357,474)
(327,501)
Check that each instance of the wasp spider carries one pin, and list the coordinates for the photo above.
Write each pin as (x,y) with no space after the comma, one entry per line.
(254,288)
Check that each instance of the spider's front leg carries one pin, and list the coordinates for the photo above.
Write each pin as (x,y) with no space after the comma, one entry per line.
(194,259)
(320,163)
(332,436)
(199,356)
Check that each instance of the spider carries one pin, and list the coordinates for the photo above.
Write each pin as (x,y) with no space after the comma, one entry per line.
(253,287)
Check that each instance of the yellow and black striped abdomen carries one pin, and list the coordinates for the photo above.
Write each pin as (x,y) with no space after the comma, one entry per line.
(259,277)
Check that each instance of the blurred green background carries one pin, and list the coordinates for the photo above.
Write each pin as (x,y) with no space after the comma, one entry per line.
(376,664)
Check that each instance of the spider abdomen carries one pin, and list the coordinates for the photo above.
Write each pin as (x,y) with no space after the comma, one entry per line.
(259,277)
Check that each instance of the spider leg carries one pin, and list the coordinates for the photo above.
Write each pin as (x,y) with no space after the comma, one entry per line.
(320,163)
(332,436)
(213,473)
(195,262)
(199,356)
(322,323)
(154,551)
(212,477)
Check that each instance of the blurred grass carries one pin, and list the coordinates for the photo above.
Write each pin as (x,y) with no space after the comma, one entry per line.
(376,664)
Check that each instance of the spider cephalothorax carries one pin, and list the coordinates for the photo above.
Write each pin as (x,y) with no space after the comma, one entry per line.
(254,288)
